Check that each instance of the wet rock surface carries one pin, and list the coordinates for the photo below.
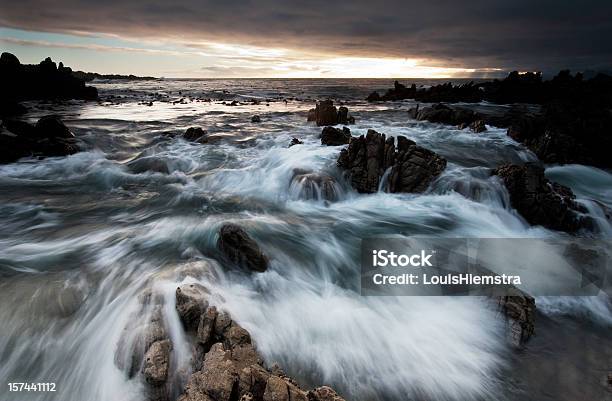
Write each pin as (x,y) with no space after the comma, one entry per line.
(325,113)
(49,137)
(519,309)
(314,186)
(331,136)
(411,168)
(232,369)
(540,201)
(237,246)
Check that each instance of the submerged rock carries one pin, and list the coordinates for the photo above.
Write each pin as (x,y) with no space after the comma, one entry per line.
(241,249)
(145,347)
(255,119)
(331,136)
(195,134)
(313,186)
(295,141)
(540,201)
(410,167)
(49,137)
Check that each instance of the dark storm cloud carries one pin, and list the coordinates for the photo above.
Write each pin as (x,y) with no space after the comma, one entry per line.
(510,34)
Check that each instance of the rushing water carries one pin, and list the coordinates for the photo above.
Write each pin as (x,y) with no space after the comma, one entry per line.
(83,236)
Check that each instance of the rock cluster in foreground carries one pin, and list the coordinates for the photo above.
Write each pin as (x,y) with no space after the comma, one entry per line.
(49,137)
(407,167)
(231,368)
(540,201)
(325,113)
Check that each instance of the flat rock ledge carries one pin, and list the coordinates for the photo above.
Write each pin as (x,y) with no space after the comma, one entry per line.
(405,166)
(229,368)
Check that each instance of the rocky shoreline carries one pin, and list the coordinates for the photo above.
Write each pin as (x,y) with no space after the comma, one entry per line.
(226,364)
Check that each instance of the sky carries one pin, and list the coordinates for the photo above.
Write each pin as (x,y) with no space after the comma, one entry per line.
(311,39)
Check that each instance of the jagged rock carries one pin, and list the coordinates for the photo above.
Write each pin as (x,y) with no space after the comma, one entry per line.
(49,137)
(191,303)
(276,390)
(540,201)
(157,359)
(414,168)
(344,117)
(367,159)
(195,134)
(520,310)
(233,370)
(316,186)
(236,335)
(206,325)
(325,113)
(255,119)
(331,136)
(241,249)
(295,141)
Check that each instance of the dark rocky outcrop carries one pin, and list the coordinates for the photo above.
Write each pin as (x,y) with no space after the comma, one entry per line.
(42,81)
(49,137)
(331,136)
(447,92)
(567,132)
(411,168)
(540,201)
(195,134)
(256,119)
(519,308)
(325,113)
(232,369)
(241,250)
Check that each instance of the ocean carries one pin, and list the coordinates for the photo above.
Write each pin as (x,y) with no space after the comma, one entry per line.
(83,236)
